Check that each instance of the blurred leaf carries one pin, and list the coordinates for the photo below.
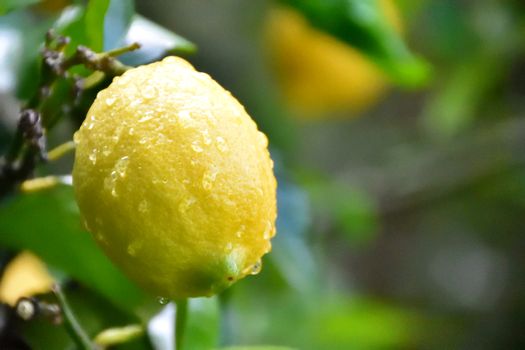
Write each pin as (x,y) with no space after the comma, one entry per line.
(116,23)
(10,5)
(256,347)
(352,209)
(21,36)
(48,223)
(360,323)
(100,24)
(94,23)
(291,253)
(363,24)
(454,105)
(202,328)
(156,42)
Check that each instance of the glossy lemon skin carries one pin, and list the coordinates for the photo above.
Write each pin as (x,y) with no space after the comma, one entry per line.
(174,181)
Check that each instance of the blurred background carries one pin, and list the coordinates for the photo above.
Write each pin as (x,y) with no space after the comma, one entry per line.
(400,166)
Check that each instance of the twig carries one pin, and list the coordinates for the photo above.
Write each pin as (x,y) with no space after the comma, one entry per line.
(41,112)
(75,331)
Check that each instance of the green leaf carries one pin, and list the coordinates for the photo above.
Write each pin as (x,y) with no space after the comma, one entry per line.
(353,210)
(10,5)
(48,223)
(202,327)
(156,42)
(363,24)
(116,23)
(94,23)
(20,37)
(256,347)
(362,323)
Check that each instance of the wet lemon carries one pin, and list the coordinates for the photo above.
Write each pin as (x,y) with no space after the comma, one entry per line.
(174,181)
(319,74)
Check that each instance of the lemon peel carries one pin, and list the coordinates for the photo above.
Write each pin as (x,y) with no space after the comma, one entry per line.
(174,181)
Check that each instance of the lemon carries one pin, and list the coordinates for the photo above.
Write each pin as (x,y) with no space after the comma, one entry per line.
(52,6)
(319,74)
(174,181)
(25,276)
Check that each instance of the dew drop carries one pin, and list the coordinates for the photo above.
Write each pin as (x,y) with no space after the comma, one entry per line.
(240,231)
(131,131)
(106,151)
(263,140)
(268,230)
(93,156)
(86,225)
(145,118)
(133,247)
(90,126)
(162,300)
(186,204)
(76,138)
(143,140)
(143,206)
(206,137)
(185,117)
(221,144)
(110,101)
(122,165)
(195,145)
(149,92)
(208,179)
(256,268)
(116,136)
(131,250)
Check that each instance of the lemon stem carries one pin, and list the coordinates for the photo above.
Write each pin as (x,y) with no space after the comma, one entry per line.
(121,50)
(60,151)
(73,328)
(181,314)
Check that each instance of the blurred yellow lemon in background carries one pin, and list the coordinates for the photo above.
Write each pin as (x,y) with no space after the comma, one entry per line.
(25,276)
(319,74)
(174,180)
(52,6)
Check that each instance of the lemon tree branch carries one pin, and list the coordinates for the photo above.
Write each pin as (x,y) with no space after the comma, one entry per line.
(46,107)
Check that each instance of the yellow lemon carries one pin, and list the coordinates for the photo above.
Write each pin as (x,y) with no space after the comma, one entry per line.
(26,275)
(52,6)
(174,180)
(319,74)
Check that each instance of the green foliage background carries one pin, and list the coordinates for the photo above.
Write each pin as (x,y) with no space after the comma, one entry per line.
(400,229)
